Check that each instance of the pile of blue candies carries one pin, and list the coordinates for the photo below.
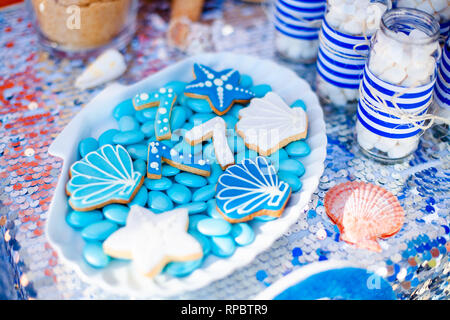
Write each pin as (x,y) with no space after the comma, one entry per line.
(176,188)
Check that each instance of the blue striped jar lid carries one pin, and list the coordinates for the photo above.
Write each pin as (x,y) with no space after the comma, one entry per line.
(416,100)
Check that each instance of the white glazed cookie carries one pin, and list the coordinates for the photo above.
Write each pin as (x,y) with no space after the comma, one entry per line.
(269,124)
(214,128)
(152,240)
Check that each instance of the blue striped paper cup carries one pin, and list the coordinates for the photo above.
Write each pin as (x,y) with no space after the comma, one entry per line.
(295,18)
(341,58)
(416,100)
(442,87)
(306,10)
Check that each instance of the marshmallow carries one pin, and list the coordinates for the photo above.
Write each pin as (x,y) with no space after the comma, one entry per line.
(296,49)
(393,148)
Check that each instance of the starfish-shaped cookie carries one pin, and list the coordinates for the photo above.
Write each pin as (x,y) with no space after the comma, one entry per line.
(152,240)
(220,88)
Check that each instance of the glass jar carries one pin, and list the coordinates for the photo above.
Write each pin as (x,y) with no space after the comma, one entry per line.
(440,9)
(297,24)
(397,86)
(343,48)
(79,28)
(441,105)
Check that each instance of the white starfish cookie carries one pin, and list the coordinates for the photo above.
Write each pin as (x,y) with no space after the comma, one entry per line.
(152,240)
(269,124)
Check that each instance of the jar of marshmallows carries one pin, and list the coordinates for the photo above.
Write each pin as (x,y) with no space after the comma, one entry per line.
(396,91)
(297,24)
(344,46)
(440,9)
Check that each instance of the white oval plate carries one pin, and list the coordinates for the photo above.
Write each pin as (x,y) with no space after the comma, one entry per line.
(96,117)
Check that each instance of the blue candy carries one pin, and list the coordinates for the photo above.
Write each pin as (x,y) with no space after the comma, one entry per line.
(81,219)
(94,255)
(200,118)
(242,234)
(125,108)
(107,137)
(169,171)
(158,184)
(209,153)
(204,193)
(264,218)
(216,171)
(299,104)
(234,111)
(292,166)
(246,81)
(140,198)
(182,269)
(214,227)
(177,118)
(140,166)
(195,219)
(99,231)
(194,207)
(230,121)
(148,129)
(261,90)
(236,143)
(191,180)
(291,179)
(298,149)
(204,241)
(128,123)
(222,246)
(117,213)
(179,193)
(149,113)
(138,151)
(212,209)
(159,201)
(177,86)
(87,145)
(128,137)
(199,105)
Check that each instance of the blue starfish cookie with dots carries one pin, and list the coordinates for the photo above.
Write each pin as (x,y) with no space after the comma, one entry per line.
(220,88)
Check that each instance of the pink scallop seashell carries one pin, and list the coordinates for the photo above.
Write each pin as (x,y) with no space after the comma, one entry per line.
(363,213)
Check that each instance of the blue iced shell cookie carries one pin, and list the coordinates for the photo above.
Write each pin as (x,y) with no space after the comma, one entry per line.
(102,177)
(164,99)
(220,88)
(251,189)
(159,151)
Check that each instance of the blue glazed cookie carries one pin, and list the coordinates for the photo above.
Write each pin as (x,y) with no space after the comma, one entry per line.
(220,88)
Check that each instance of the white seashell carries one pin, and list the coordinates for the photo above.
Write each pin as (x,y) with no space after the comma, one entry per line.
(108,66)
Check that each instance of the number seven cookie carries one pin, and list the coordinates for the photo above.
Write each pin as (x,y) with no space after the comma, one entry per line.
(221,89)
(251,189)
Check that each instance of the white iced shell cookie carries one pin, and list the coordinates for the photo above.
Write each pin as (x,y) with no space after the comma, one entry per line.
(152,240)
(269,124)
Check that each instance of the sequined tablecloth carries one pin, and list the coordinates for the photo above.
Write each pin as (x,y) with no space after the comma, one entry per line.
(38,99)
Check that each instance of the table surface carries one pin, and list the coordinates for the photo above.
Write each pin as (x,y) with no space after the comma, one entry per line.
(38,99)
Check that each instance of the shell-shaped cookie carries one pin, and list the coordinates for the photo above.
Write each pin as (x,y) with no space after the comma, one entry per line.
(249,189)
(101,177)
(269,124)
(364,212)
